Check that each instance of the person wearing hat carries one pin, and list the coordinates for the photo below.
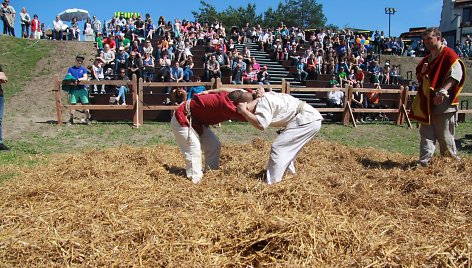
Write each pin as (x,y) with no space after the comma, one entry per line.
(121,59)
(79,93)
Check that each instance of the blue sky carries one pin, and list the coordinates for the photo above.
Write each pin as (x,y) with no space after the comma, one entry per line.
(364,14)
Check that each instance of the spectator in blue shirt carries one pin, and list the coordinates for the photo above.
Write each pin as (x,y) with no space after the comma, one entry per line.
(176,73)
(79,93)
(195,89)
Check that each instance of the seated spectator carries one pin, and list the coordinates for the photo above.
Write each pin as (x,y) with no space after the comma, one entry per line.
(278,50)
(358,102)
(223,60)
(385,74)
(74,27)
(121,90)
(163,71)
(373,101)
(251,75)
(178,96)
(180,48)
(212,69)
(139,27)
(148,67)
(335,100)
(97,74)
(255,65)
(176,73)
(394,75)
(187,65)
(110,41)
(333,82)
(135,47)
(57,31)
(301,73)
(342,77)
(134,65)
(121,59)
(150,29)
(99,41)
(237,75)
(123,41)
(108,58)
(148,47)
(263,76)
(240,61)
(195,89)
(360,77)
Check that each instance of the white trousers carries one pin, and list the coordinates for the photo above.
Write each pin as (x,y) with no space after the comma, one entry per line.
(441,129)
(286,147)
(191,145)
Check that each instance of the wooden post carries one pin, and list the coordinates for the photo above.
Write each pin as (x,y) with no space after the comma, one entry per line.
(347,113)
(288,89)
(405,104)
(218,83)
(57,92)
(139,108)
(400,105)
(136,103)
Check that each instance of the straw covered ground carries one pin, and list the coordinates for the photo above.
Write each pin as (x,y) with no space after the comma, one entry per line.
(346,207)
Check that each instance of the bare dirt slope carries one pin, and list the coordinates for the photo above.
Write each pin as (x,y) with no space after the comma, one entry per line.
(34,106)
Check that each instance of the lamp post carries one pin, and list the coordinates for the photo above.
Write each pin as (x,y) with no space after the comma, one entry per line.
(390,11)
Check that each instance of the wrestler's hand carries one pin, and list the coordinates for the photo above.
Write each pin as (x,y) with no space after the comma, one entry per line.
(242,107)
(424,68)
(204,92)
(438,99)
(259,92)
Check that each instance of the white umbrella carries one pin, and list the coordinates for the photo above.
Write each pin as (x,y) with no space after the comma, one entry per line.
(70,13)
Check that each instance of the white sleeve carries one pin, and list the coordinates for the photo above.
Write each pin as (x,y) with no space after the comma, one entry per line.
(263,113)
(456,71)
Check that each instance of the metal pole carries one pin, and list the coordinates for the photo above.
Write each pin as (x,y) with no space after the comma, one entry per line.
(389,14)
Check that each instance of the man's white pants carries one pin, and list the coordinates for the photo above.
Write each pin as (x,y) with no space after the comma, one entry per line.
(286,147)
(441,129)
(191,146)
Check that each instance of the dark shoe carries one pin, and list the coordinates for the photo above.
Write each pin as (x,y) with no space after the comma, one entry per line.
(71,121)
(3,147)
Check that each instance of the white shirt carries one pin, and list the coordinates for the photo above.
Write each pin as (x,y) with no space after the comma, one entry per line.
(58,25)
(278,110)
(337,96)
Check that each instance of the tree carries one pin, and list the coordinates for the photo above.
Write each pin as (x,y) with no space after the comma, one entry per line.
(207,13)
(298,13)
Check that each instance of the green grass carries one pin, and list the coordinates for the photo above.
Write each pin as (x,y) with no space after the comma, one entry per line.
(19,58)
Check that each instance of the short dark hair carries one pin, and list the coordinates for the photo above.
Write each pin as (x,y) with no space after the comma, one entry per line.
(432,30)
(238,96)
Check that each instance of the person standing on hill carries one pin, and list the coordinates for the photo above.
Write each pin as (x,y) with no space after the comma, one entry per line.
(3,79)
(8,13)
(441,75)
